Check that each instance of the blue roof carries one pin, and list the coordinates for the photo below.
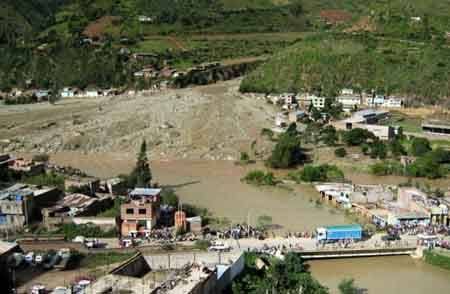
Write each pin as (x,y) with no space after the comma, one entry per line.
(352,227)
(145,192)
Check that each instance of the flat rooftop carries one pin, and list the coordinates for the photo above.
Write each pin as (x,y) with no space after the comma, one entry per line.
(436,124)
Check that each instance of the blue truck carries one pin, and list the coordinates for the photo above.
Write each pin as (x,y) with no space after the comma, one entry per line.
(336,233)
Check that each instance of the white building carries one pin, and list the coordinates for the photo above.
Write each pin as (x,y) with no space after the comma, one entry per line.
(349,102)
(144,18)
(378,100)
(393,103)
(68,92)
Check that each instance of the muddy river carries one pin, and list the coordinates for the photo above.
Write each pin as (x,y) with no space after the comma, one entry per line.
(387,275)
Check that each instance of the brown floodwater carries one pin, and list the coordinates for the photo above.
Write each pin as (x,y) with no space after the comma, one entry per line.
(387,275)
(217,186)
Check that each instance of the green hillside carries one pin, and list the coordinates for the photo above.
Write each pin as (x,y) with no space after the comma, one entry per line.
(328,63)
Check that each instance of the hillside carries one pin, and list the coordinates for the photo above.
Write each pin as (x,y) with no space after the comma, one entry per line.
(330,62)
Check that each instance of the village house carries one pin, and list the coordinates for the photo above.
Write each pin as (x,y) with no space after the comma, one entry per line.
(393,102)
(69,92)
(74,205)
(374,100)
(42,95)
(147,73)
(89,185)
(141,212)
(349,100)
(26,166)
(145,19)
(306,100)
(296,115)
(436,127)
(21,204)
(367,119)
(415,200)
(115,186)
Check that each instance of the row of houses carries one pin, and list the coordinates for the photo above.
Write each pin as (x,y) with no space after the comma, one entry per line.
(388,205)
(347,98)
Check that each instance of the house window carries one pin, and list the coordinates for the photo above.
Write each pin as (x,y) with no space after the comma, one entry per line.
(142,211)
(130,211)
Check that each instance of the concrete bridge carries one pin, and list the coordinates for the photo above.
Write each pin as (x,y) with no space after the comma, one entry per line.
(354,252)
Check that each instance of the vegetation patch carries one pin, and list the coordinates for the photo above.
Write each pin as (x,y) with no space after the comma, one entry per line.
(437,258)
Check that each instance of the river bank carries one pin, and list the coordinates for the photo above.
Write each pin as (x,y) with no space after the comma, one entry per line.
(437,258)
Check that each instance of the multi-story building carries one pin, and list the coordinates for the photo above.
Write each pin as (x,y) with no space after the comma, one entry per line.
(141,212)
(21,204)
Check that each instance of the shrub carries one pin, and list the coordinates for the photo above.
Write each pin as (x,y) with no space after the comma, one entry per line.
(260,178)
(244,157)
(340,152)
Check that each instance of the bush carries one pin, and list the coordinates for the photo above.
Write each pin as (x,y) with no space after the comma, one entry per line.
(244,157)
(340,152)
(260,178)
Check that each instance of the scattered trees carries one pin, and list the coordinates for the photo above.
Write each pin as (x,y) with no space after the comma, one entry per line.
(319,173)
(347,286)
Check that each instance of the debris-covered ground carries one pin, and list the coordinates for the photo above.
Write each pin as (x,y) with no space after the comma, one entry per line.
(209,122)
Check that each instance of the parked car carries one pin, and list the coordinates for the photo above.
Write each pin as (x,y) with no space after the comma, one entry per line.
(39,258)
(79,239)
(29,258)
(38,289)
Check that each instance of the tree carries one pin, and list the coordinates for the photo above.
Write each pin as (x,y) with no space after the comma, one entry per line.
(378,150)
(287,152)
(420,146)
(340,152)
(356,137)
(142,175)
(296,7)
(329,136)
(169,197)
(396,148)
(347,286)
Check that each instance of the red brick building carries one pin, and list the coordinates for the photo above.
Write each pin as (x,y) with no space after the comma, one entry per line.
(141,212)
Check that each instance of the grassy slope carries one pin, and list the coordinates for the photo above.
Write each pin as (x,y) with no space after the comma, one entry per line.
(332,62)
